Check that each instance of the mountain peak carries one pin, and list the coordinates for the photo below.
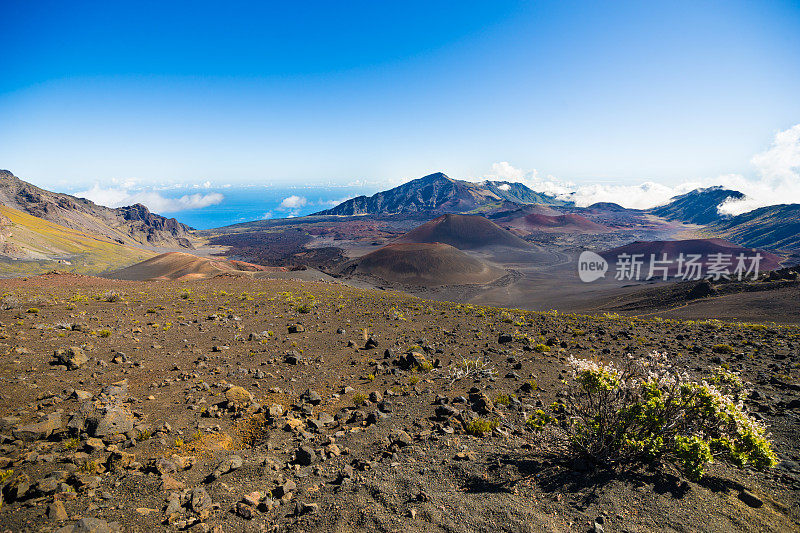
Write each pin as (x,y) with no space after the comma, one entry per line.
(7,175)
(438,193)
(436,176)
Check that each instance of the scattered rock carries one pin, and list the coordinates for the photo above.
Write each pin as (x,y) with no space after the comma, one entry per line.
(229,464)
(305,455)
(56,511)
(238,397)
(91,525)
(52,423)
(72,357)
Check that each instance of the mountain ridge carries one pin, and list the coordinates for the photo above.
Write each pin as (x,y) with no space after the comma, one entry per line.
(699,206)
(131,225)
(439,193)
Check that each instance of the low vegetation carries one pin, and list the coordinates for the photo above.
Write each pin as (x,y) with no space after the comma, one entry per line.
(649,410)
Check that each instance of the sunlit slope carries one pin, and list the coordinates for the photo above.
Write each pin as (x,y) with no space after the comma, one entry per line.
(31,245)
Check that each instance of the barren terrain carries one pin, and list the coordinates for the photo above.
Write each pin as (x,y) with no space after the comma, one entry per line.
(238,404)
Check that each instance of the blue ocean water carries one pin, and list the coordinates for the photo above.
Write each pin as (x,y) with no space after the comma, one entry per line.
(247,203)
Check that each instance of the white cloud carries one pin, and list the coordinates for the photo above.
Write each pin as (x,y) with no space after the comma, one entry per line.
(642,196)
(779,176)
(778,182)
(120,196)
(293,202)
(504,187)
(504,170)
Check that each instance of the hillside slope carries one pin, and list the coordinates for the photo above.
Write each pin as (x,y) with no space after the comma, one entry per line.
(182,266)
(776,227)
(465,232)
(133,224)
(428,264)
(699,206)
(705,248)
(30,245)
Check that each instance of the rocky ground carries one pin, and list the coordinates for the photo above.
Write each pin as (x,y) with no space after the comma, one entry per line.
(249,405)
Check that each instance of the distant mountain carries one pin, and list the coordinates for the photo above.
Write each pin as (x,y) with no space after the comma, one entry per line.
(775,227)
(699,206)
(132,225)
(439,193)
(606,206)
(465,232)
(532,218)
(571,223)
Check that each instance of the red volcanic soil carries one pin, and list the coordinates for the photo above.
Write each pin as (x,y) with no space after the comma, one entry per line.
(570,222)
(465,232)
(427,264)
(183,266)
(704,247)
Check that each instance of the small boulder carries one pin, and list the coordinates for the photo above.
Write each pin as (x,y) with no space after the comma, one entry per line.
(91,525)
(50,424)
(72,357)
(200,500)
(238,397)
(305,455)
(229,464)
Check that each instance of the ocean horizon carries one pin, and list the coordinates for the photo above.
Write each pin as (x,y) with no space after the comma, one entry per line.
(240,203)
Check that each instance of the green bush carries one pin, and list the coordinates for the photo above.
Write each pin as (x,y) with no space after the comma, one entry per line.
(650,411)
(480,426)
(722,349)
(503,399)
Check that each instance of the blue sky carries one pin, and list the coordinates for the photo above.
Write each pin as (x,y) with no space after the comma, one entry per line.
(340,92)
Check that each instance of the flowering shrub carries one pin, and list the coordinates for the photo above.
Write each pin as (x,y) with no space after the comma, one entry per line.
(649,410)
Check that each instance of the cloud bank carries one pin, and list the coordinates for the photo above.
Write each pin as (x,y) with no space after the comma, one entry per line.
(155,201)
(777,181)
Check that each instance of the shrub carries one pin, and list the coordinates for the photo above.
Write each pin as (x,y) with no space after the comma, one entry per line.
(33,310)
(5,475)
(359,399)
(112,296)
(104,333)
(503,399)
(10,302)
(471,368)
(541,348)
(722,349)
(424,366)
(480,426)
(649,410)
